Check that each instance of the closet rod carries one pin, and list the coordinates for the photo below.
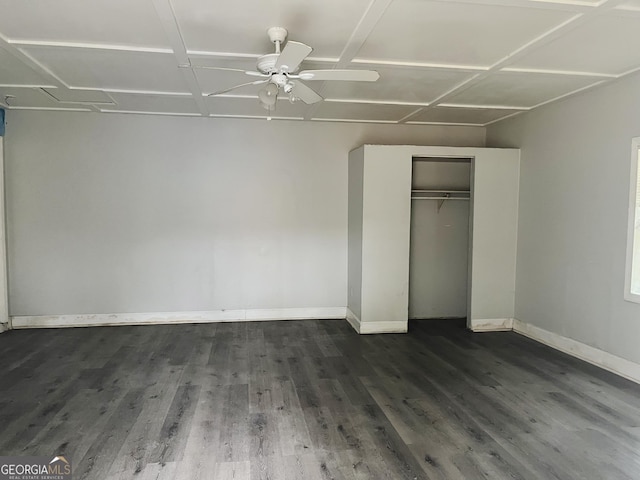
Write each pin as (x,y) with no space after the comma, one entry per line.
(440,191)
(438,198)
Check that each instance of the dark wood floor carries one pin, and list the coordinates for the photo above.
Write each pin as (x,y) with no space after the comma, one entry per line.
(312,400)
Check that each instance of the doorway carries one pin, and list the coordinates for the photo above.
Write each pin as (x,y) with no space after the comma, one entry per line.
(439,241)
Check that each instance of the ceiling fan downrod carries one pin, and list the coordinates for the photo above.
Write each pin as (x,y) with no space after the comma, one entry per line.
(277,35)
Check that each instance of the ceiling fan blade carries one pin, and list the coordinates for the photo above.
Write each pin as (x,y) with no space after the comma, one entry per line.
(345,75)
(220,92)
(304,93)
(207,67)
(292,56)
(246,72)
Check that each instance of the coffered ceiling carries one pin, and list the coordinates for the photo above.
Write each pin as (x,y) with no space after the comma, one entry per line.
(462,62)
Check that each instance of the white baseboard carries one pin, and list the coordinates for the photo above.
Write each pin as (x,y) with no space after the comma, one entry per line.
(353,320)
(4,327)
(491,324)
(364,328)
(434,319)
(215,316)
(383,327)
(595,356)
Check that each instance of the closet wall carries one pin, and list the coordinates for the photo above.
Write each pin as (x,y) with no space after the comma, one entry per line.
(438,262)
(380,233)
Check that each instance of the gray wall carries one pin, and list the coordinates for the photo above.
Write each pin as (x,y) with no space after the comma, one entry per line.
(574,198)
(356,178)
(134,213)
(386,220)
(4,300)
(494,235)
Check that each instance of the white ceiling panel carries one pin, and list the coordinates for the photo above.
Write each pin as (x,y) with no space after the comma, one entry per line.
(14,72)
(152,103)
(400,84)
(632,5)
(520,89)
(568,3)
(250,107)
(211,80)
(121,22)
(362,111)
(240,63)
(215,80)
(606,44)
(31,97)
(455,33)
(572,2)
(476,116)
(240,26)
(82,96)
(112,69)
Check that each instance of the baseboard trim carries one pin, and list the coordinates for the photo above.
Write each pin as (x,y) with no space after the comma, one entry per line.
(4,327)
(353,320)
(367,328)
(600,358)
(491,325)
(214,316)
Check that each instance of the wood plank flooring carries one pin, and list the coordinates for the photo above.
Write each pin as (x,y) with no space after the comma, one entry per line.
(313,400)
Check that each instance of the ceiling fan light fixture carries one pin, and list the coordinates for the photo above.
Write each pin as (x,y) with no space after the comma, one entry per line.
(271,90)
(264,105)
(268,95)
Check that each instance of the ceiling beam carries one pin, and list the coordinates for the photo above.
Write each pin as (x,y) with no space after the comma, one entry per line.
(365,26)
(170,25)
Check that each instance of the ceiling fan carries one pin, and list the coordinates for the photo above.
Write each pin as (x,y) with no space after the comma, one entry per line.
(277,71)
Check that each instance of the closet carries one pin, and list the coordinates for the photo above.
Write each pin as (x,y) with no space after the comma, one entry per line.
(475,185)
(439,244)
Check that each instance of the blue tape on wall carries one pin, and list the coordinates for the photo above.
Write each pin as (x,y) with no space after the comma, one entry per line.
(1,122)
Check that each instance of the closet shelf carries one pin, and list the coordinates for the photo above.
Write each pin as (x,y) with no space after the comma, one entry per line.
(440,194)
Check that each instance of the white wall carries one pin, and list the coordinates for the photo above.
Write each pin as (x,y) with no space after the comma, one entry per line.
(385,240)
(438,261)
(494,235)
(356,178)
(4,306)
(133,213)
(574,196)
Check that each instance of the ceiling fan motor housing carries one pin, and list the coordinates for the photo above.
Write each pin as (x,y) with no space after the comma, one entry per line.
(266,63)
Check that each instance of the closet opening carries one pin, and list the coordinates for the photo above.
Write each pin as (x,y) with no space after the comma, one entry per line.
(440,237)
